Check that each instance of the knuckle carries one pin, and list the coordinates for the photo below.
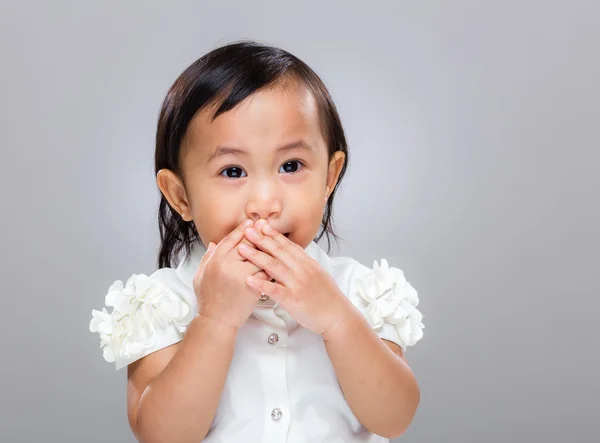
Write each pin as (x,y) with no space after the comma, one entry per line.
(301,280)
(261,275)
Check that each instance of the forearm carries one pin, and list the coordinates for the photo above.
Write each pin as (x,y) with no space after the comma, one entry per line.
(179,405)
(378,385)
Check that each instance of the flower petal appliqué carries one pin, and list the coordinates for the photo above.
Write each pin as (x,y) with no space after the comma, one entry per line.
(389,298)
(141,308)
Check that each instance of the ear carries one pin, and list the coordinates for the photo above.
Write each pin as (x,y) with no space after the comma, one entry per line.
(333,173)
(172,188)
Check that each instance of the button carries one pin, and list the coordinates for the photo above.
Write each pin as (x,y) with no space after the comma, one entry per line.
(273,338)
(276,414)
(263,297)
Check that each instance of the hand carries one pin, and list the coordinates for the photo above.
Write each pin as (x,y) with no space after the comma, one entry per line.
(222,294)
(303,288)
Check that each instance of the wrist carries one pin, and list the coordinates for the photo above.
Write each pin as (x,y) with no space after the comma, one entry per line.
(348,320)
(216,328)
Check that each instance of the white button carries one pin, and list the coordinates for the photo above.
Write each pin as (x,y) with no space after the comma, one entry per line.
(276,414)
(273,338)
(263,297)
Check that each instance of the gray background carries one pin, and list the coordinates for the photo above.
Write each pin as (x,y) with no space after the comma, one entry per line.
(474,135)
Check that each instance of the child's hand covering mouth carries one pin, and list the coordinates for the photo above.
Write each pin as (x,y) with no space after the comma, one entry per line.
(302,287)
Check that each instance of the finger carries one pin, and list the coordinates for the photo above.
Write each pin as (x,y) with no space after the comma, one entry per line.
(294,249)
(261,275)
(231,240)
(246,242)
(257,225)
(280,251)
(274,290)
(271,232)
(249,268)
(270,264)
(207,255)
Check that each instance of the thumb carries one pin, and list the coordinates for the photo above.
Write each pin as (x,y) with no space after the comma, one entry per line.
(203,261)
(207,255)
(210,249)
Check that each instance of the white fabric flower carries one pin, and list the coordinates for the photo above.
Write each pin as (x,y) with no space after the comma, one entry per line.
(141,308)
(389,298)
(102,323)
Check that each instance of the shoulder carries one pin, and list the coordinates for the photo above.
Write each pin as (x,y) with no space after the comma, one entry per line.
(143,315)
(384,296)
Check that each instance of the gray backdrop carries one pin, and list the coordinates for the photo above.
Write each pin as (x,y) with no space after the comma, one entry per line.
(473,129)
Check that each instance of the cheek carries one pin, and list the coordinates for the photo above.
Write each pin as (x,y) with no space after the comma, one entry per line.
(308,199)
(308,211)
(307,222)
(213,199)
(215,213)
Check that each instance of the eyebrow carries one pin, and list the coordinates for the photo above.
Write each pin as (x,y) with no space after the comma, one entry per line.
(224,150)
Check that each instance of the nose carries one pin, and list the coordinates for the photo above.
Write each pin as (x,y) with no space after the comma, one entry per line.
(264,201)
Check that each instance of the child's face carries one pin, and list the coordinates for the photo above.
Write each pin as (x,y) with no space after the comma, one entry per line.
(264,159)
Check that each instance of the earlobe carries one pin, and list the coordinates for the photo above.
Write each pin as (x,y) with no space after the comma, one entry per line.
(172,188)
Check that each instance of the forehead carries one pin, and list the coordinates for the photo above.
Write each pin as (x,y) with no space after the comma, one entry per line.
(265,120)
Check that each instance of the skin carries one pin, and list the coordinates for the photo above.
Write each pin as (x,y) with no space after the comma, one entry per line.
(255,173)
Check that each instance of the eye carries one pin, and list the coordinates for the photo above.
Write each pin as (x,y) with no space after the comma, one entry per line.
(233,172)
(291,167)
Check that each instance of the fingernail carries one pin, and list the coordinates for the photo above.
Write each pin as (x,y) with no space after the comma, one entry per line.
(248,222)
(267,227)
(252,231)
(244,247)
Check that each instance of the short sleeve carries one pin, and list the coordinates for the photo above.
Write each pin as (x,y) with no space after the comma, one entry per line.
(386,299)
(147,314)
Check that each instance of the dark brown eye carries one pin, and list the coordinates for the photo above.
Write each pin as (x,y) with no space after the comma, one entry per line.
(233,172)
(291,167)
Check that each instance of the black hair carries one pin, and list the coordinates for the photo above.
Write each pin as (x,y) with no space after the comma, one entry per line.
(223,78)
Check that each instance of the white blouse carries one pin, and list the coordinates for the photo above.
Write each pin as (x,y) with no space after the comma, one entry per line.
(281,385)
